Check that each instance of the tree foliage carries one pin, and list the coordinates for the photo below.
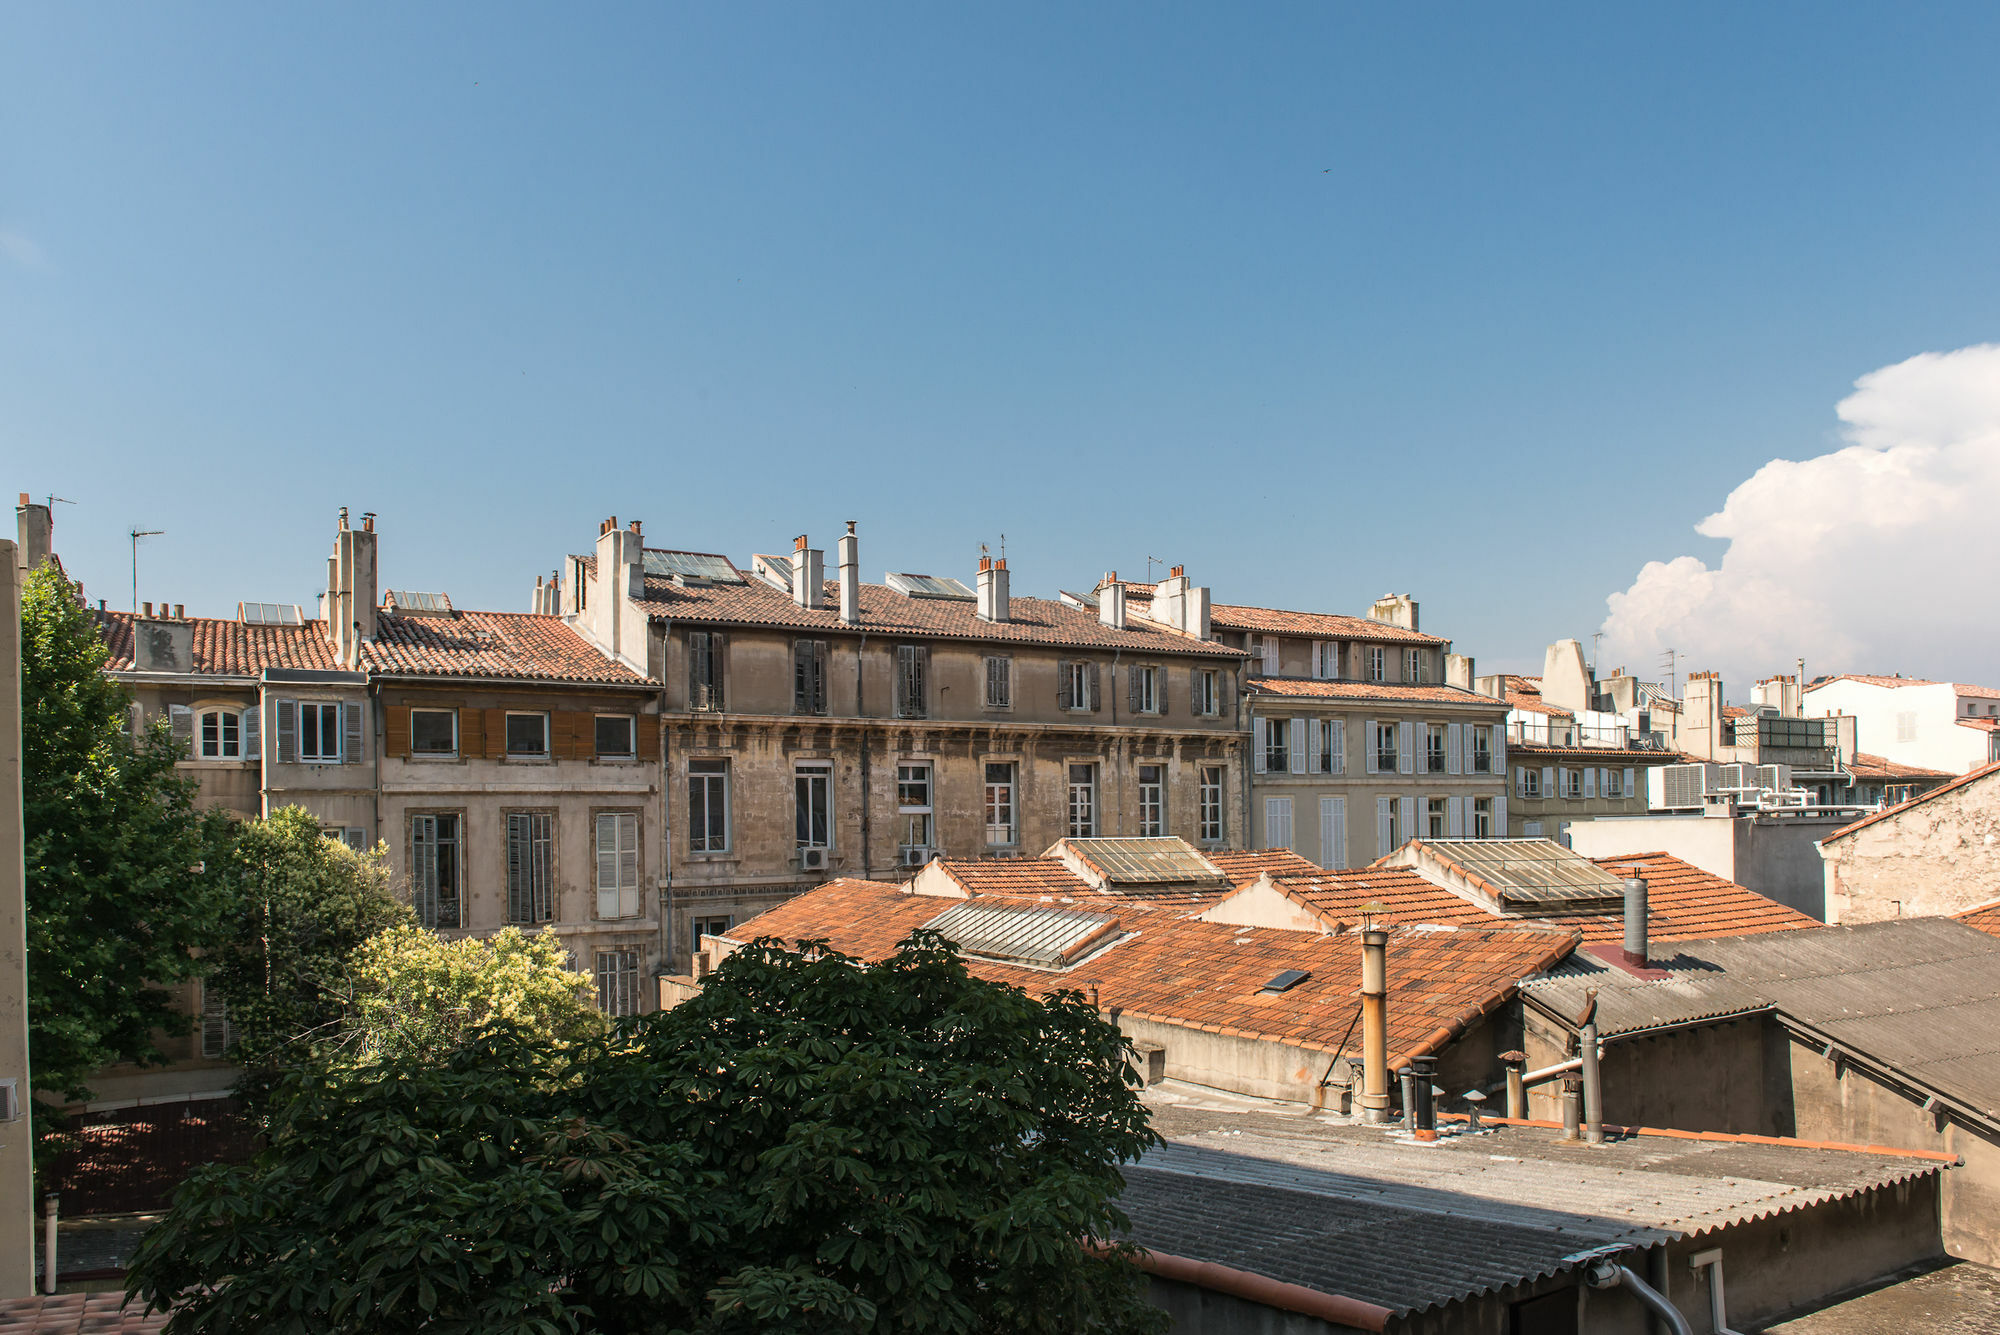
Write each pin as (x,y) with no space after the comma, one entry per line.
(807,1145)
(118,895)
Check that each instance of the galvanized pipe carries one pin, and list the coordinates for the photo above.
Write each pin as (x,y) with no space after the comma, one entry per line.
(1517,1093)
(1635,921)
(51,1212)
(1572,1108)
(1375,1025)
(1593,1086)
(1532,1078)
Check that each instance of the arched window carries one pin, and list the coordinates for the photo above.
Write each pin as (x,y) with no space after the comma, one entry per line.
(225,734)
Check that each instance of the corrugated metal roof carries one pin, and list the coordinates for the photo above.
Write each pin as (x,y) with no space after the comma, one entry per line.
(1157,861)
(1919,996)
(1352,1211)
(1534,874)
(1049,938)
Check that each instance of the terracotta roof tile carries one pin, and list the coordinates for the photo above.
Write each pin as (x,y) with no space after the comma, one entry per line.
(1313,625)
(230,648)
(1603,755)
(1525,694)
(1866,766)
(1986,917)
(1961,781)
(1050,878)
(1392,692)
(1983,724)
(1868,679)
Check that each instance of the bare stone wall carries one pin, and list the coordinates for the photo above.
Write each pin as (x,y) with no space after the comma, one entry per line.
(1938,857)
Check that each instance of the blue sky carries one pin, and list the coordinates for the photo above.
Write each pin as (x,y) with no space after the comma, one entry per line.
(1492,306)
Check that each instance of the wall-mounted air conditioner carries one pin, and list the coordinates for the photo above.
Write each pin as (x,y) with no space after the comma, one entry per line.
(812,859)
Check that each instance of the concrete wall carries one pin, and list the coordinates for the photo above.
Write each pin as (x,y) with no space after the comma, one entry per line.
(1939,742)
(1938,857)
(1774,855)
(1713,1078)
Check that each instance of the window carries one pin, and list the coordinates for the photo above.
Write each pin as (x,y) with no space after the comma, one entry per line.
(913,803)
(1389,835)
(1000,827)
(1209,817)
(1152,801)
(912,674)
(1529,830)
(1277,744)
(1269,656)
(1482,818)
(218,1035)
(1607,784)
(1906,727)
(708,806)
(1434,817)
(1572,782)
(1277,822)
(1076,686)
(711,926)
(434,732)
(1332,746)
(1482,748)
(1413,665)
(1434,745)
(999,682)
(1146,690)
(618,981)
(528,735)
(1326,659)
(531,841)
(353,836)
(222,734)
(808,676)
(1385,749)
(1205,697)
(705,671)
(1528,781)
(319,732)
(434,870)
(615,735)
(1082,802)
(617,864)
(812,793)
(1378,663)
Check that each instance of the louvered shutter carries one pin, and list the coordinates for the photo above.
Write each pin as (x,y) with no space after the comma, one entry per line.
(288,731)
(353,735)
(1590,781)
(1315,745)
(1385,826)
(1499,818)
(471,733)
(396,730)
(649,737)
(136,721)
(1521,781)
(1455,817)
(1298,746)
(1406,747)
(1549,788)
(1277,822)
(1065,696)
(1132,689)
(1631,786)
(1160,675)
(628,866)
(1499,747)
(1333,832)
(1257,726)
(423,868)
(517,867)
(253,742)
(1369,749)
(1454,734)
(496,734)
(1338,765)
(607,865)
(1406,815)
(1096,695)
(181,720)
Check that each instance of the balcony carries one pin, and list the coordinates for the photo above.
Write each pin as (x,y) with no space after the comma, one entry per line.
(1549,731)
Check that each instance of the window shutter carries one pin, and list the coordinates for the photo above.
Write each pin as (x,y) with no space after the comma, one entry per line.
(182,720)
(1499,747)
(136,721)
(396,730)
(1277,822)
(1096,696)
(1406,814)
(471,733)
(1194,692)
(1314,749)
(1160,690)
(1549,782)
(353,735)
(1257,726)
(1333,832)
(517,866)
(1406,748)
(1631,788)
(496,734)
(628,866)
(1385,826)
(1298,746)
(1521,781)
(649,737)
(1338,751)
(1455,738)
(1369,750)
(607,865)
(253,743)
(288,731)
(1590,781)
(1132,688)
(1455,817)
(1065,697)
(1225,691)
(1499,817)
(562,735)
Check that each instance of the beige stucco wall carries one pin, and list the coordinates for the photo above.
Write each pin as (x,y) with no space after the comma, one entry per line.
(1937,857)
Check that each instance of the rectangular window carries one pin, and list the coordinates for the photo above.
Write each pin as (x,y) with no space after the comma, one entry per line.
(1152,801)
(1378,663)
(1082,802)
(616,735)
(1482,818)
(808,676)
(353,836)
(705,671)
(1277,744)
(1388,834)
(1434,748)
(618,981)
(319,732)
(1413,665)
(434,732)
(1434,817)
(1528,781)
(912,684)
(1906,726)
(712,926)
(1385,748)
(531,842)
(1331,735)
(1076,686)
(1001,829)
(1277,822)
(999,682)
(1482,748)
(1607,785)
(812,795)
(1209,819)
(1269,656)
(708,806)
(434,870)
(528,735)
(1572,783)
(913,804)
(218,1035)
(617,864)
(1145,689)
(1207,701)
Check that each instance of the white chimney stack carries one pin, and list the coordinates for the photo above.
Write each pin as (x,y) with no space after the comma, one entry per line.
(1179,604)
(993,599)
(1111,601)
(808,574)
(850,576)
(351,593)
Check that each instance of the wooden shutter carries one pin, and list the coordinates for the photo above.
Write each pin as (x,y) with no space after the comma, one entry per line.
(396,730)
(1194,692)
(472,733)
(1630,784)
(1096,695)
(1298,746)
(1132,688)
(1406,815)
(1065,697)
(1368,747)
(648,742)
(1160,690)
(288,731)
(562,735)
(253,743)
(1333,832)
(354,733)
(496,733)
(1406,747)
(1455,738)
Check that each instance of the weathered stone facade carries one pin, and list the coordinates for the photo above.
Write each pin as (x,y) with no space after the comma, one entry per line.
(1935,855)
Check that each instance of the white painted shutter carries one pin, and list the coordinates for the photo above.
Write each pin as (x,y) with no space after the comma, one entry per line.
(182,720)
(1499,747)
(1339,752)
(607,866)
(1499,818)
(1455,817)
(1454,738)
(628,865)
(1314,734)
(1270,655)
(1298,746)
(1406,747)
(1277,822)
(1549,789)
(1385,820)
(253,746)
(1333,832)
(1406,814)
(1368,746)
(1631,787)
(1521,781)
(1590,781)
(1256,745)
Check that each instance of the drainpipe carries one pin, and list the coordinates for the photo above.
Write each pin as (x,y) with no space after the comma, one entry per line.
(1406,1077)
(1374,1026)
(1606,1273)
(51,1212)
(1635,922)
(1593,1084)
(1517,1093)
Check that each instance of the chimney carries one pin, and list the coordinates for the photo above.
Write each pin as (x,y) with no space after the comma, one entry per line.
(1458,671)
(621,577)
(1423,1116)
(1635,922)
(808,573)
(850,576)
(1593,1081)
(351,592)
(993,600)
(1395,609)
(1179,604)
(1374,1026)
(160,643)
(148,607)
(1111,601)
(180,611)
(36,527)
(540,602)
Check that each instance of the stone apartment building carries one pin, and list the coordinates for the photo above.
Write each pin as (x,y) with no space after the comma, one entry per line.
(818,728)
(1946,726)
(1362,732)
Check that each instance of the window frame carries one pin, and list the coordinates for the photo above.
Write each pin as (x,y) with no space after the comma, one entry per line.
(1436,747)
(1482,818)
(541,844)
(912,699)
(428,896)
(1378,663)
(320,709)
(1389,760)
(1210,823)
(1206,688)
(507,735)
(1001,794)
(1146,687)
(1437,818)
(1276,745)
(1482,748)
(631,722)
(1086,788)
(619,818)
(415,751)
(999,681)
(813,775)
(809,675)
(618,984)
(711,781)
(910,810)
(1153,795)
(224,718)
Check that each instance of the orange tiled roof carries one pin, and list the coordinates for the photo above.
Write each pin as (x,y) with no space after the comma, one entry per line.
(1246,865)
(887,612)
(1986,917)
(1983,724)
(1313,688)
(1868,679)
(1603,755)
(1313,625)
(1174,969)
(229,648)
(1051,878)
(1866,766)
(1961,781)
(1525,694)
(1683,902)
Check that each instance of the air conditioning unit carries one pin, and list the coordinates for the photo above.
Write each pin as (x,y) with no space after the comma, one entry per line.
(1774,778)
(812,859)
(1738,776)
(1682,787)
(913,855)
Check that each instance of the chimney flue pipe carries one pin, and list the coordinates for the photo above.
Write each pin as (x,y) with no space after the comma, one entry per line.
(1635,921)
(850,576)
(1593,1084)
(1423,1124)
(1374,1025)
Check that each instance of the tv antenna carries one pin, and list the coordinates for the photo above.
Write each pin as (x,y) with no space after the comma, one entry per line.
(137,534)
(1669,661)
(1152,561)
(55,500)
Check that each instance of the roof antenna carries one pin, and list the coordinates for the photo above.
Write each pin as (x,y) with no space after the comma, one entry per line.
(1003,549)
(55,500)
(1152,561)
(137,534)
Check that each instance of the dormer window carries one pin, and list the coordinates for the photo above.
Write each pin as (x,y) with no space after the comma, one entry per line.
(1378,663)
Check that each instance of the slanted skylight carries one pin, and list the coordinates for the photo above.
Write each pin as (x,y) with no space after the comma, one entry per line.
(775,571)
(1165,861)
(270,614)
(705,567)
(1045,937)
(1284,982)
(411,602)
(1536,876)
(930,586)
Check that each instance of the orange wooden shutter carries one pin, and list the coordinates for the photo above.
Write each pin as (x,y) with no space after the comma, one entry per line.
(496,734)
(563,727)
(471,733)
(584,741)
(396,730)
(649,737)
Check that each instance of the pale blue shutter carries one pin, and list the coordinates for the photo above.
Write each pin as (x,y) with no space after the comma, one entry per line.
(1333,832)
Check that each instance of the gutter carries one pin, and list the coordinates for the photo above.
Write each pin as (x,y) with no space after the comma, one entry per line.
(1260,1289)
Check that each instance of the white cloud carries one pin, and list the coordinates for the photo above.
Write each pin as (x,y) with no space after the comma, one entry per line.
(1879,556)
(21,249)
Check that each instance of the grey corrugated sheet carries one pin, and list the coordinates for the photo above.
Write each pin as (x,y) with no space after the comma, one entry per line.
(1349,1210)
(1920,996)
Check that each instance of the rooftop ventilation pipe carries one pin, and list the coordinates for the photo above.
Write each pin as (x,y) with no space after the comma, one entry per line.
(1593,1085)
(1374,1024)
(1423,1122)
(850,576)
(1607,1273)
(1635,922)
(808,573)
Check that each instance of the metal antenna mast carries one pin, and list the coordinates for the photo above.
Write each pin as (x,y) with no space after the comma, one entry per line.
(137,534)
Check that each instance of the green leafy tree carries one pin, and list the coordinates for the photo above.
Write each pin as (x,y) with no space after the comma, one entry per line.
(808,1145)
(299,906)
(119,899)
